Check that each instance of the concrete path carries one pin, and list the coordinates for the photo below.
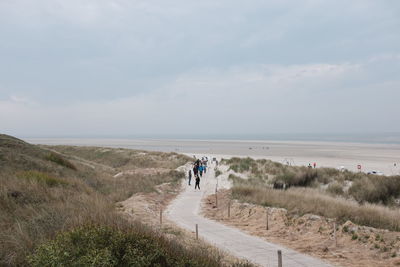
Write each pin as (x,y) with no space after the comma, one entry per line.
(185,209)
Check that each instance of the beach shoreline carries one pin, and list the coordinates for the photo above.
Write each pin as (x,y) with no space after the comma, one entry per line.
(379,157)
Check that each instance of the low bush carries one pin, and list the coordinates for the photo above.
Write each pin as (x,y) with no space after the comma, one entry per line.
(41,177)
(376,189)
(105,246)
(56,158)
(335,189)
(242,164)
(365,188)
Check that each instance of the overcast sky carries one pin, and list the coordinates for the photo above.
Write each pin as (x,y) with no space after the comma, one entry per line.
(128,67)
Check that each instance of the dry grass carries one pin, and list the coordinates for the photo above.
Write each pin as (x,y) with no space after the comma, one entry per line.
(306,200)
(41,196)
(364,188)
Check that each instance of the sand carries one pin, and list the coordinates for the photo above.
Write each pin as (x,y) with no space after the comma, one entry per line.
(379,157)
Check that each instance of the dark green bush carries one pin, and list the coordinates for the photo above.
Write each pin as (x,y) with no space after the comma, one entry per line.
(303,177)
(106,246)
(376,189)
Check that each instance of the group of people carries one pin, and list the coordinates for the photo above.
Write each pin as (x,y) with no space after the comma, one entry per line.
(199,167)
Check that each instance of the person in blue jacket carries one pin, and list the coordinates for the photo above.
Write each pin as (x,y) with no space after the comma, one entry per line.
(201,170)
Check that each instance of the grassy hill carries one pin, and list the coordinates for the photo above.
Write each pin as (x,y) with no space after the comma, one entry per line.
(57,207)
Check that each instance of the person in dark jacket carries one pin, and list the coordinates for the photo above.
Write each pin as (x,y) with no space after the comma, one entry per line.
(197,182)
(195,170)
(190,176)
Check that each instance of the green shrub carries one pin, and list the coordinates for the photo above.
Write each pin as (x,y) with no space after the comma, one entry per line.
(106,246)
(41,177)
(56,158)
(304,177)
(375,189)
(217,173)
(242,165)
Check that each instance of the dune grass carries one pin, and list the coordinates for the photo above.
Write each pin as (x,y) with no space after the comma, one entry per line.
(54,214)
(40,177)
(364,187)
(57,158)
(367,201)
(97,245)
(307,200)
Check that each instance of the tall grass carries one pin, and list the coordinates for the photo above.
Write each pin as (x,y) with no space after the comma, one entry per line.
(306,200)
(42,196)
(364,188)
(40,177)
(97,245)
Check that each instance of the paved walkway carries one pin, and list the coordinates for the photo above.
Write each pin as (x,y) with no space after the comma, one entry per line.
(184,211)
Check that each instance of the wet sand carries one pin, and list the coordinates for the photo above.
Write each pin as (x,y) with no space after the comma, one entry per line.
(379,157)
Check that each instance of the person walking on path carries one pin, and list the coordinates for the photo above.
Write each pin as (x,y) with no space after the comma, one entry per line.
(197,182)
(195,169)
(204,169)
(201,170)
(190,176)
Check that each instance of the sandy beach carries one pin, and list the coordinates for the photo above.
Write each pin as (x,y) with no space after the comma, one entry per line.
(379,157)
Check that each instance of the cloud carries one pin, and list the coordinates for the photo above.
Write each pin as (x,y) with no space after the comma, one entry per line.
(122,66)
(251,99)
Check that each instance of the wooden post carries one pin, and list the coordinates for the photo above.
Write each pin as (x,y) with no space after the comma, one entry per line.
(161,211)
(197,231)
(334,233)
(267,219)
(229,209)
(216,199)
(279,258)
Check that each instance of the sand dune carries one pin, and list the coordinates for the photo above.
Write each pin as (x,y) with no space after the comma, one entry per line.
(380,157)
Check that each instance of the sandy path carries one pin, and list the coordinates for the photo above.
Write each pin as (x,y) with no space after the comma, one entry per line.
(185,212)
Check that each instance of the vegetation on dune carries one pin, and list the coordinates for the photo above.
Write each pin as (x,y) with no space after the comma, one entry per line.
(40,177)
(124,158)
(56,158)
(59,209)
(307,200)
(367,200)
(358,186)
(96,245)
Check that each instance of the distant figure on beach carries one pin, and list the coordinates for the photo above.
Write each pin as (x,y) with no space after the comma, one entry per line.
(204,169)
(315,165)
(190,176)
(309,165)
(197,185)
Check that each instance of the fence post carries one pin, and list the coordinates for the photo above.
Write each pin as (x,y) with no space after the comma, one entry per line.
(279,258)
(161,212)
(197,231)
(216,199)
(334,233)
(229,209)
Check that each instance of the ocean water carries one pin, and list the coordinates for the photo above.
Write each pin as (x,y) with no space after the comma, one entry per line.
(368,138)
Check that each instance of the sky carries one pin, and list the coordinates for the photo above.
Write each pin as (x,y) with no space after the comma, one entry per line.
(156,67)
